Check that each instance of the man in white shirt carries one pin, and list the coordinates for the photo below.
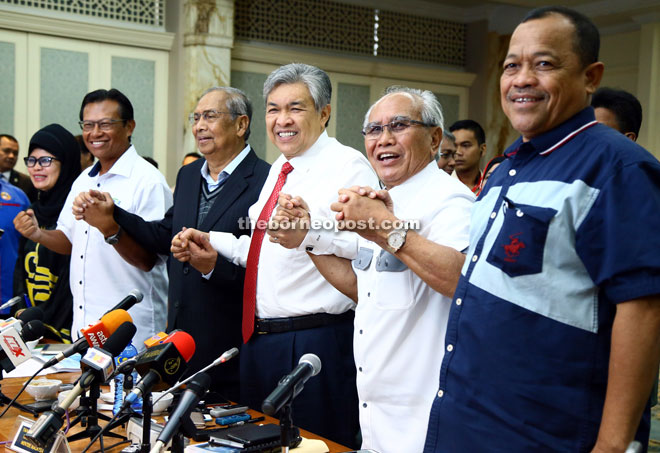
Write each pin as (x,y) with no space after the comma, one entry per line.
(297,311)
(99,277)
(402,276)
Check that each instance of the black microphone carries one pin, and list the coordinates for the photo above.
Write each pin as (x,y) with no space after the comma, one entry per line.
(290,385)
(30,314)
(196,389)
(127,302)
(100,362)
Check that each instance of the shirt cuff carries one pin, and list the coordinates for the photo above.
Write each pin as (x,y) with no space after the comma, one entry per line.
(317,242)
(208,276)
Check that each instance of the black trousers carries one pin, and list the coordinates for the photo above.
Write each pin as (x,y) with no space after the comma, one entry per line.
(328,405)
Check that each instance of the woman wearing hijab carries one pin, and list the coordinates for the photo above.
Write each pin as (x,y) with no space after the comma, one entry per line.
(53,163)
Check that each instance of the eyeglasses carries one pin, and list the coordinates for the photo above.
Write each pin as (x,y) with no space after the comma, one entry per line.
(209,116)
(44,161)
(448,154)
(396,126)
(104,125)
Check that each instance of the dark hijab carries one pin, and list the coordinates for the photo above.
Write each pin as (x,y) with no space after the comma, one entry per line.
(60,143)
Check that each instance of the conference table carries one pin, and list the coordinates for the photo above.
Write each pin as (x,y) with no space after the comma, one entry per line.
(9,422)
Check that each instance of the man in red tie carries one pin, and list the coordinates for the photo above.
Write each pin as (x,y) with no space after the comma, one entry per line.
(289,309)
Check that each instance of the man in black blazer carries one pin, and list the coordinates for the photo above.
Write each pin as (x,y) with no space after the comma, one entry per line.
(212,194)
(8,158)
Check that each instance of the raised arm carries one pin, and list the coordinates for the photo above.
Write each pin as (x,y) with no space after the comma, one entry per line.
(26,223)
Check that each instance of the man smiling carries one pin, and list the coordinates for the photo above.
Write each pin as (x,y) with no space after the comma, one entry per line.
(554,329)
(99,277)
(289,309)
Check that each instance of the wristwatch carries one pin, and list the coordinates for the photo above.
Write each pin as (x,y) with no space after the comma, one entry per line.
(112,240)
(396,238)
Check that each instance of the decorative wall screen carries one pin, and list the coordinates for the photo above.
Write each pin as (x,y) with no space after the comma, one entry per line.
(143,12)
(351,29)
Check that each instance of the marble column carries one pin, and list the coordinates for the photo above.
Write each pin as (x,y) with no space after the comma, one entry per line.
(648,88)
(208,38)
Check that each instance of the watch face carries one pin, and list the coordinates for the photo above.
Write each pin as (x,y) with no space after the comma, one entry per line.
(395,240)
(112,240)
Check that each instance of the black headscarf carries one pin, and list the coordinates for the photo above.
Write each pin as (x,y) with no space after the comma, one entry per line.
(60,143)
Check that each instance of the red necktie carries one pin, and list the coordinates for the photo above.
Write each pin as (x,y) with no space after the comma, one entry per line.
(250,285)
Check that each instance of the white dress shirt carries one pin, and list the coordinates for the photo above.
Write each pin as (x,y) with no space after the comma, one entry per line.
(400,321)
(99,276)
(288,283)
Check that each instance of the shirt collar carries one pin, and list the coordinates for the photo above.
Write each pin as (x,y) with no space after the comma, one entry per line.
(123,166)
(555,138)
(308,159)
(6,174)
(413,186)
(229,168)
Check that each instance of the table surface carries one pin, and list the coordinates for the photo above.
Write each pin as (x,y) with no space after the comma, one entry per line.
(9,424)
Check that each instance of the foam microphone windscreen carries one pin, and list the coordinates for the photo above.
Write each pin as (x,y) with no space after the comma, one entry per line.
(115,318)
(33,330)
(120,339)
(30,314)
(184,343)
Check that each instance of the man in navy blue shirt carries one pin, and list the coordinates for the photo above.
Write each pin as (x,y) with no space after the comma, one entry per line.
(553,338)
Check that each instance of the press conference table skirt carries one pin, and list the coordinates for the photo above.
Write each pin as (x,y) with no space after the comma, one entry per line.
(9,422)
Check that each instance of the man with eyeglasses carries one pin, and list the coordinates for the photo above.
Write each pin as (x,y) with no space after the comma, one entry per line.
(8,159)
(99,276)
(289,309)
(401,278)
(212,194)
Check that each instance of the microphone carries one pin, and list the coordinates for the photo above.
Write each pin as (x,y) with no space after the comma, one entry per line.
(11,302)
(127,302)
(94,335)
(187,403)
(290,385)
(163,363)
(230,354)
(14,350)
(99,363)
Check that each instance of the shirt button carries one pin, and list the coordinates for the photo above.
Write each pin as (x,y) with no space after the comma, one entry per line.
(459,301)
(364,404)
(368,294)
(80,306)
(512,172)
(450,347)
(186,270)
(360,331)
(493,214)
(475,258)
(440,393)
(98,185)
(80,282)
(360,369)
(81,257)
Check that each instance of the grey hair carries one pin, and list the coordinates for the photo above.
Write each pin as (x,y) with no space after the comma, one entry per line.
(449,135)
(237,104)
(316,80)
(431,108)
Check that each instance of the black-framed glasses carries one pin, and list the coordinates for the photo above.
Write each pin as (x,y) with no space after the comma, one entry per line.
(104,125)
(208,115)
(44,161)
(396,126)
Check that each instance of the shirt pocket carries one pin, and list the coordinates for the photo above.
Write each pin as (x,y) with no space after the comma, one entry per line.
(363,259)
(519,246)
(394,285)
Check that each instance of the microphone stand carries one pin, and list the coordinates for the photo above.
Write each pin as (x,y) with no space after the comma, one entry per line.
(88,416)
(289,434)
(147,411)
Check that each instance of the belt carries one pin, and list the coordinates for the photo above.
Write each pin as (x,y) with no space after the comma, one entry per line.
(278,325)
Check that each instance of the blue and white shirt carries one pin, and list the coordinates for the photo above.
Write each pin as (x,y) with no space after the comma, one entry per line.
(566,228)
